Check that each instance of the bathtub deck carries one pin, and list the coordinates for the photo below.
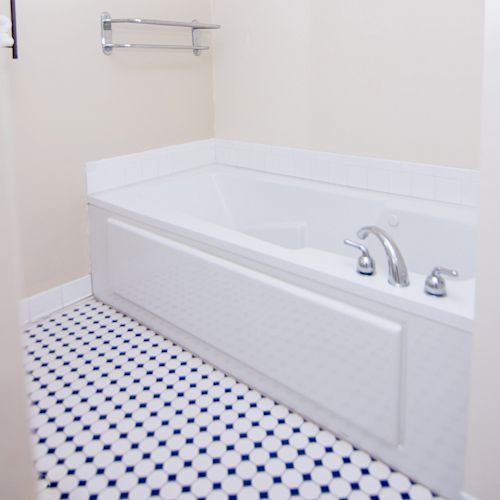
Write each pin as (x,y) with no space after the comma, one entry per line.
(118,411)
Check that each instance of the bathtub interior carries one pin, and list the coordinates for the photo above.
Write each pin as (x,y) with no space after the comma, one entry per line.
(298,215)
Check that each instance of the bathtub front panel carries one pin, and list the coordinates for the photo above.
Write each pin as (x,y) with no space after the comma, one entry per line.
(345,359)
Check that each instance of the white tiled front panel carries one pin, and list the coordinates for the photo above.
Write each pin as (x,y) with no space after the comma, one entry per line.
(119,412)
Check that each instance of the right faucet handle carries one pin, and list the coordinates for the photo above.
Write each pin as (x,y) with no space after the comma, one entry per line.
(435,283)
(366,265)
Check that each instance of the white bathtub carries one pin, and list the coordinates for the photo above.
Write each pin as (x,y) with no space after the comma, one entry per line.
(249,270)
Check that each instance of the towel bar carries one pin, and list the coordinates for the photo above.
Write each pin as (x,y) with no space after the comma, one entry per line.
(107,34)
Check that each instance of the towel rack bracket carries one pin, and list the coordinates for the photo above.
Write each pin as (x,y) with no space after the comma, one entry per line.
(106,33)
(195,36)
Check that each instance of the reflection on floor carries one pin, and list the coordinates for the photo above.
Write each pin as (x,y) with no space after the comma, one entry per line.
(118,411)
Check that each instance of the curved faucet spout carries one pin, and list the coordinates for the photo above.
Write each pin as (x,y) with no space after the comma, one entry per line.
(398,272)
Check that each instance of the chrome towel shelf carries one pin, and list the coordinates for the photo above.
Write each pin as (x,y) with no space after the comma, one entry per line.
(107,34)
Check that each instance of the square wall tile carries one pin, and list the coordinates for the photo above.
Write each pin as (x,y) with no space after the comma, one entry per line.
(448,190)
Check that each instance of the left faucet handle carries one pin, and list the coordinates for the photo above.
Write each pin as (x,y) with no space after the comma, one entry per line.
(366,264)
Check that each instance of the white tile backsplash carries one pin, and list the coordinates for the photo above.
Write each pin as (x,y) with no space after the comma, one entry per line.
(338,173)
(128,169)
(432,182)
(378,179)
(400,182)
(284,161)
(423,186)
(357,176)
(448,190)
(320,168)
(470,192)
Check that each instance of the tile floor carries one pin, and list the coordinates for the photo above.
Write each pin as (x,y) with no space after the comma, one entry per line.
(118,411)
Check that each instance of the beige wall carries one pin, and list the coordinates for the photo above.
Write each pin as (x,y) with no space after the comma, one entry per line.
(16,471)
(482,478)
(72,104)
(388,78)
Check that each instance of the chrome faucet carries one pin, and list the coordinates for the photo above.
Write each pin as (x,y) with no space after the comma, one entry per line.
(398,272)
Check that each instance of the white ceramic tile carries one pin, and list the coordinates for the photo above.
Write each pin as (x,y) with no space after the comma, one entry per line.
(91,178)
(318,168)
(282,161)
(24,311)
(106,177)
(260,155)
(448,190)
(423,186)
(128,169)
(132,171)
(470,192)
(223,153)
(48,494)
(400,182)
(248,155)
(305,164)
(45,303)
(378,179)
(150,170)
(357,176)
(338,172)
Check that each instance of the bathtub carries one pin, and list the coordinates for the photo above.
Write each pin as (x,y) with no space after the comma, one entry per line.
(249,271)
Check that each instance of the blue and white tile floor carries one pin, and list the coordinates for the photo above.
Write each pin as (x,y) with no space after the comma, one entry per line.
(118,411)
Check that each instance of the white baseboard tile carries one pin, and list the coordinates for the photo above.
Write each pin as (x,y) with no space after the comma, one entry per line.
(45,303)
(76,290)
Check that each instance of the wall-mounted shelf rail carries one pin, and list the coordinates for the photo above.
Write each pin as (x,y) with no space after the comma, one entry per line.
(107,34)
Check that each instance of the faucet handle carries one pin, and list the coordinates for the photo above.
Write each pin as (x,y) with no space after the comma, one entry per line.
(366,265)
(435,284)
